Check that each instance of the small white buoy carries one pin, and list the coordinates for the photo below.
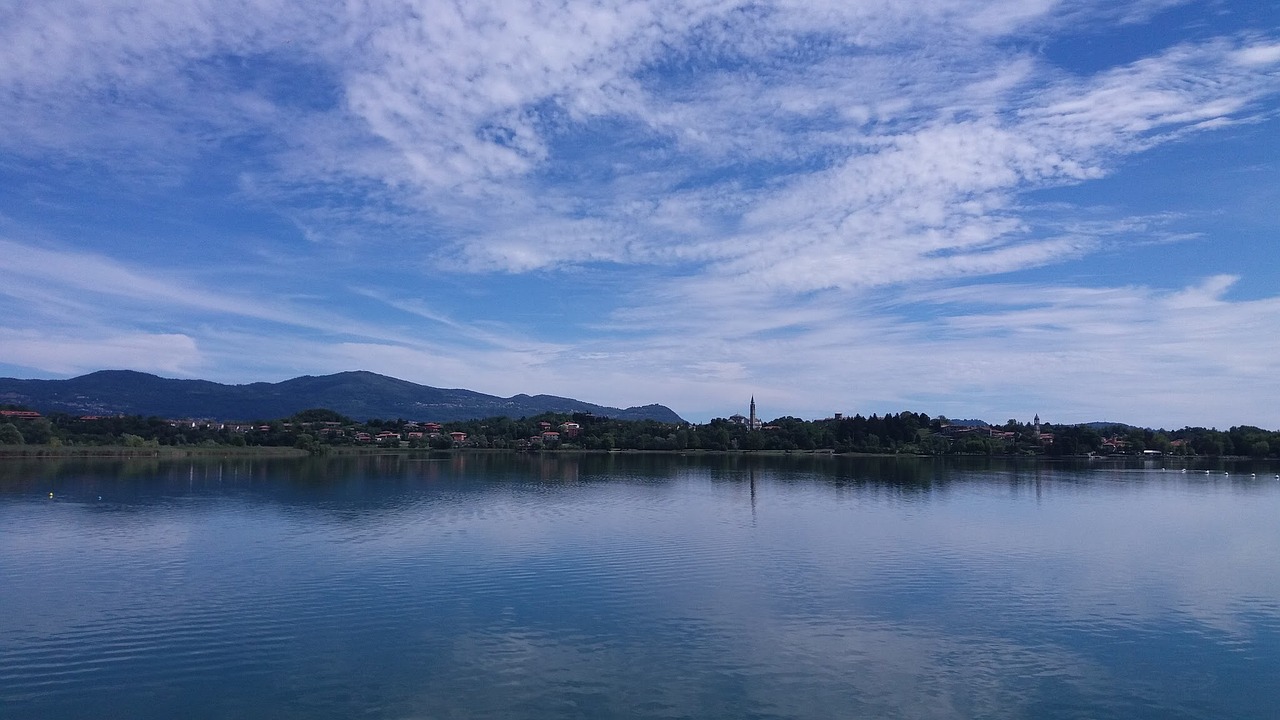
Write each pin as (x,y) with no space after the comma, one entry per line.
(50,495)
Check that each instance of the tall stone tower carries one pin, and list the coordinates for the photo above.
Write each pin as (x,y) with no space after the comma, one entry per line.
(752,423)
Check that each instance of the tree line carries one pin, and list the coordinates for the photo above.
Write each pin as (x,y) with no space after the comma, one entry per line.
(320,430)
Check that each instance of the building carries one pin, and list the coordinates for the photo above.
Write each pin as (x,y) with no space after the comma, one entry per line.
(751,420)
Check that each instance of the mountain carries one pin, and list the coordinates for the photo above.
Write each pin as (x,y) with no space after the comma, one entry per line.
(361,395)
(1108,425)
(968,423)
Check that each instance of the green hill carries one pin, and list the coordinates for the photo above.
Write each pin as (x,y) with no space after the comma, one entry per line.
(361,395)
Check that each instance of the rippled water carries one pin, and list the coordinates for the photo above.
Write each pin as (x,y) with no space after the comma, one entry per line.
(640,587)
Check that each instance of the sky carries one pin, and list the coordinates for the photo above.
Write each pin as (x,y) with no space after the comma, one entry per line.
(973,208)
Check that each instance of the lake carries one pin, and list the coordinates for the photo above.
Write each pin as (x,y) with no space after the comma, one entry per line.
(638,586)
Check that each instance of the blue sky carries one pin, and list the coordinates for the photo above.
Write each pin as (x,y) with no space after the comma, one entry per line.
(973,208)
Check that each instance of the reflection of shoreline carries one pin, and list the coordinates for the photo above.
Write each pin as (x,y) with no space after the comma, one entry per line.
(587,466)
(35,452)
(830,461)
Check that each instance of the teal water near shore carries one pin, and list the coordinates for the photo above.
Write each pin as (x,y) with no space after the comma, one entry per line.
(650,586)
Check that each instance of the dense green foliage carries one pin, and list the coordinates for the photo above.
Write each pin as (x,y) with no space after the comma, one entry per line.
(10,435)
(319,430)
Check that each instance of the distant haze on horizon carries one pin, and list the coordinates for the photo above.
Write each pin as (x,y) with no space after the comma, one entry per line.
(973,208)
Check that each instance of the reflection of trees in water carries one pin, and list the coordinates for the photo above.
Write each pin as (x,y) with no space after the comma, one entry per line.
(379,478)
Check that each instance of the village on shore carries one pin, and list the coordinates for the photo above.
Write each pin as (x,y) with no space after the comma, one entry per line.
(320,431)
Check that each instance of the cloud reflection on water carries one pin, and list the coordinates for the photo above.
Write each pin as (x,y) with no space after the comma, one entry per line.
(658,586)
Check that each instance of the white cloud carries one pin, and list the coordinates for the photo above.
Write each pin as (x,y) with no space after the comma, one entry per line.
(1159,357)
(1261,54)
(160,353)
(893,147)
(79,281)
(926,189)
(1132,354)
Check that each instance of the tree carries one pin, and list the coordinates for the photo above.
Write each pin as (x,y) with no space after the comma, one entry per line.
(9,435)
(38,431)
(720,439)
(315,415)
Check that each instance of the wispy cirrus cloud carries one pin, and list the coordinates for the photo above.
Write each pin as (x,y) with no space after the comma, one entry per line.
(70,312)
(76,281)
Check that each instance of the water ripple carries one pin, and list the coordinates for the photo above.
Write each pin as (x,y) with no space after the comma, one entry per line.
(659,589)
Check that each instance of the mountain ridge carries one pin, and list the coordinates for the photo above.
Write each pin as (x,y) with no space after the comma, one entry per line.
(358,394)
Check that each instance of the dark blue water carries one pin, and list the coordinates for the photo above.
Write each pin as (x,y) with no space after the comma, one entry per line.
(637,587)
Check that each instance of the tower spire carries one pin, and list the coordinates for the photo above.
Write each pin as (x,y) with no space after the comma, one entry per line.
(752,422)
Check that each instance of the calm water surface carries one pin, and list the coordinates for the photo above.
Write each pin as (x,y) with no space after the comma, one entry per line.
(637,587)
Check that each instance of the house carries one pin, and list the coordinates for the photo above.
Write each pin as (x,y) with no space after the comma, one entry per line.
(458,437)
(954,431)
(570,429)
